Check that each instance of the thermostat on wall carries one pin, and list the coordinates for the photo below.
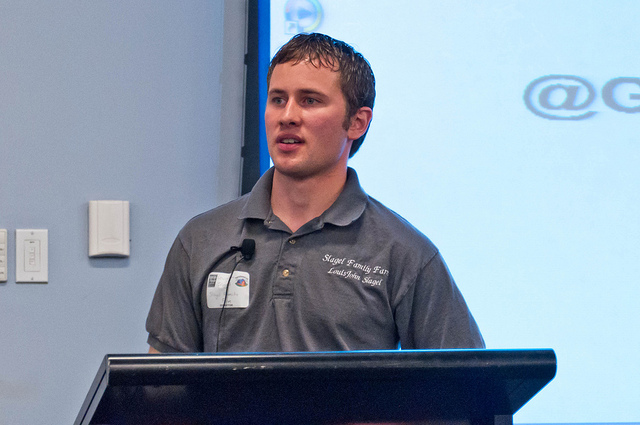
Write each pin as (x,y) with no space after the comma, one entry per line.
(108,228)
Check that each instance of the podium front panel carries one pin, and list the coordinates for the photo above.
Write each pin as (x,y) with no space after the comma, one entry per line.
(410,386)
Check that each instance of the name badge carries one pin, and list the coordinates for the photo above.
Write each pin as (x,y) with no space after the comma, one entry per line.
(237,295)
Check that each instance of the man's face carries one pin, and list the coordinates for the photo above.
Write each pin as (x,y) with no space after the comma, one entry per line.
(304,121)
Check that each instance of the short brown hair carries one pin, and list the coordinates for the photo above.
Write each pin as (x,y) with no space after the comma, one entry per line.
(357,81)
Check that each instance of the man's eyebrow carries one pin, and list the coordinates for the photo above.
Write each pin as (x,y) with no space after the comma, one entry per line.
(301,91)
(311,91)
(276,91)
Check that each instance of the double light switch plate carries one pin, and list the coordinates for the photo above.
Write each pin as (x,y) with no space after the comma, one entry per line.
(3,255)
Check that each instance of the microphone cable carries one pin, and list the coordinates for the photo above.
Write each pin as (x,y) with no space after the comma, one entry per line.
(247,249)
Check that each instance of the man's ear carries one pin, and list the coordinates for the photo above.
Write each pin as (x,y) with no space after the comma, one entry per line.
(359,123)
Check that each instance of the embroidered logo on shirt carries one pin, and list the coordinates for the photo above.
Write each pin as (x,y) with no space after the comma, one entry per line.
(352,269)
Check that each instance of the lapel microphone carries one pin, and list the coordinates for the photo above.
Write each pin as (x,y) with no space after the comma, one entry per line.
(247,249)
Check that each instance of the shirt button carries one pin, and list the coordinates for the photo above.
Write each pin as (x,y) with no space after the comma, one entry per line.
(285,272)
(292,241)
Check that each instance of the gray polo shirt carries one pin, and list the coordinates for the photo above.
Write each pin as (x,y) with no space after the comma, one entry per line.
(357,277)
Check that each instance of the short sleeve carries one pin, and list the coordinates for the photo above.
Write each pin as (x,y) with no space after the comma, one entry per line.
(175,319)
(433,313)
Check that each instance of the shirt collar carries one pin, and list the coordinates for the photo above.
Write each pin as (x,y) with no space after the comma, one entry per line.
(350,203)
(259,199)
(345,210)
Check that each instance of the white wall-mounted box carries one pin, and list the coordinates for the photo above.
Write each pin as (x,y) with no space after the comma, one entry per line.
(108,228)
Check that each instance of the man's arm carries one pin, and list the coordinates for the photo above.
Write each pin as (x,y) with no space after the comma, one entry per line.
(153,350)
(173,322)
(433,313)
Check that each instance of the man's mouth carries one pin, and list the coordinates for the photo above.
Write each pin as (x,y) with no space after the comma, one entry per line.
(289,141)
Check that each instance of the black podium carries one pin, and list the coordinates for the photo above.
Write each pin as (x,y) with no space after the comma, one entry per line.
(415,386)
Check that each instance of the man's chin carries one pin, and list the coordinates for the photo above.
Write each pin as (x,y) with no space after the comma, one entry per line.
(292,172)
(300,174)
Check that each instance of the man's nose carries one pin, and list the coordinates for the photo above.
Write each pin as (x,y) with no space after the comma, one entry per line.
(290,114)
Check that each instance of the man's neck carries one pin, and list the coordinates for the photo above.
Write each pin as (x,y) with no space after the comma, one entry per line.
(296,201)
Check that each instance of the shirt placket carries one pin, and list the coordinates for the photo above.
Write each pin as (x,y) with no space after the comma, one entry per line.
(287,268)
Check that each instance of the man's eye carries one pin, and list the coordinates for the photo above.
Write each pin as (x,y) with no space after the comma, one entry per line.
(277,100)
(310,101)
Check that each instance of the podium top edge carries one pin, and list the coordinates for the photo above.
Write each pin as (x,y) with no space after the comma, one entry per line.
(483,353)
(543,361)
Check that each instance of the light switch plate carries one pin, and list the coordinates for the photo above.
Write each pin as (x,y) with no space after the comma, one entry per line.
(32,256)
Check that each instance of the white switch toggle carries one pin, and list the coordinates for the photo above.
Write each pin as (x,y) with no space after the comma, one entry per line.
(32,255)
(108,228)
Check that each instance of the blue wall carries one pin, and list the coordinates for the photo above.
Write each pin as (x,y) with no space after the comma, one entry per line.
(133,100)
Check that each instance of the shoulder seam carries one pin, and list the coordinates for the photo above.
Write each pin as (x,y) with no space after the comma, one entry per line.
(415,279)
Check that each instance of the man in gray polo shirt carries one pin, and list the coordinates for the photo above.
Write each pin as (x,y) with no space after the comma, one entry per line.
(332,269)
